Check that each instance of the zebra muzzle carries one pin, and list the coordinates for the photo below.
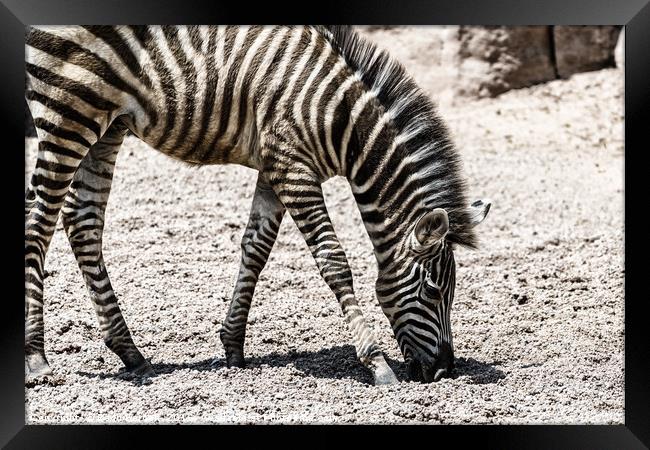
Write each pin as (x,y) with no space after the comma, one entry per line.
(434,373)
(431,371)
(414,370)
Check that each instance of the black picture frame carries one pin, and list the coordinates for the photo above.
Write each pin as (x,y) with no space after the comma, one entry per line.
(633,14)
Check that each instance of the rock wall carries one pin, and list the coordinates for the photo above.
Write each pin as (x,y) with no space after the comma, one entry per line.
(485,61)
(493,60)
(584,48)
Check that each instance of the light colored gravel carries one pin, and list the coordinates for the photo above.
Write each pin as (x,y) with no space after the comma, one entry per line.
(538,315)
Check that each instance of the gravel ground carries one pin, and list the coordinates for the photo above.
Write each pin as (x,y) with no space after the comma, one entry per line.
(538,315)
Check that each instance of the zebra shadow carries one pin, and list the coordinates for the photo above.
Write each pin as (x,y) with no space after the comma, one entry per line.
(339,362)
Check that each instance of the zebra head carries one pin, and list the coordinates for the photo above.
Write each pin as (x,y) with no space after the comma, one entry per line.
(418,303)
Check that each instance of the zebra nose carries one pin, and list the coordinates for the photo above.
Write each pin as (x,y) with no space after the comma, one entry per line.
(443,366)
(439,374)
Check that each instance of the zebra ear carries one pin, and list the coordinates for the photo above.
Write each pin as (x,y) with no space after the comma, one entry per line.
(429,230)
(478,211)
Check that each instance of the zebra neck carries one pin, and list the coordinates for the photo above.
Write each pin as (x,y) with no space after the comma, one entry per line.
(396,184)
(388,228)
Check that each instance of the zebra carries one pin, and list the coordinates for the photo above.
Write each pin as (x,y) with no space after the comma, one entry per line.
(299,104)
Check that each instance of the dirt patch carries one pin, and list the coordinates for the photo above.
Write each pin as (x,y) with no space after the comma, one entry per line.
(538,315)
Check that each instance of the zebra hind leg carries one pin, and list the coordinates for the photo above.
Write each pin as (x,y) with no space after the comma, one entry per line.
(83,218)
(257,242)
(57,161)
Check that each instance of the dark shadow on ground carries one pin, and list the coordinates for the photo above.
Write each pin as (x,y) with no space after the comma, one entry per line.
(479,372)
(338,362)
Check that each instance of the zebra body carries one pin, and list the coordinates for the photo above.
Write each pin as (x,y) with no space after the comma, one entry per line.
(298,104)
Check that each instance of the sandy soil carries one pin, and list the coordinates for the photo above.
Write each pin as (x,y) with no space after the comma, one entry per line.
(538,315)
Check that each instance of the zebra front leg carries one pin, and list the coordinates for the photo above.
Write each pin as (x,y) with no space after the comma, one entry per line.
(257,242)
(302,196)
(83,218)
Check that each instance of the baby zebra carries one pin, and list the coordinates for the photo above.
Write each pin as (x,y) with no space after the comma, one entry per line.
(298,104)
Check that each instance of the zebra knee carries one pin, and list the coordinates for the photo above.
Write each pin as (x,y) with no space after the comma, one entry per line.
(69,212)
(254,252)
(254,226)
(247,241)
(81,226)
(84,237)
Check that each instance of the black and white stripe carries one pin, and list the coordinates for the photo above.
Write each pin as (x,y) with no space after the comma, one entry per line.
(300,105)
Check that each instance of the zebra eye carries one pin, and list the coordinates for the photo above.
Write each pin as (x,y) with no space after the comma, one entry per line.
(431,291)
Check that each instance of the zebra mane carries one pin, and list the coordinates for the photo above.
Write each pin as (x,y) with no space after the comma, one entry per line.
(414,114)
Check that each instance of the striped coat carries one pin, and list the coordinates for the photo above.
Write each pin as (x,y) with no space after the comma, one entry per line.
(298,104)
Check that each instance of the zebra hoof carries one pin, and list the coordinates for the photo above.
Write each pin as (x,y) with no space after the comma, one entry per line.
(385,375)
(235,361)
(144,370)
(36,367)
(38,372)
